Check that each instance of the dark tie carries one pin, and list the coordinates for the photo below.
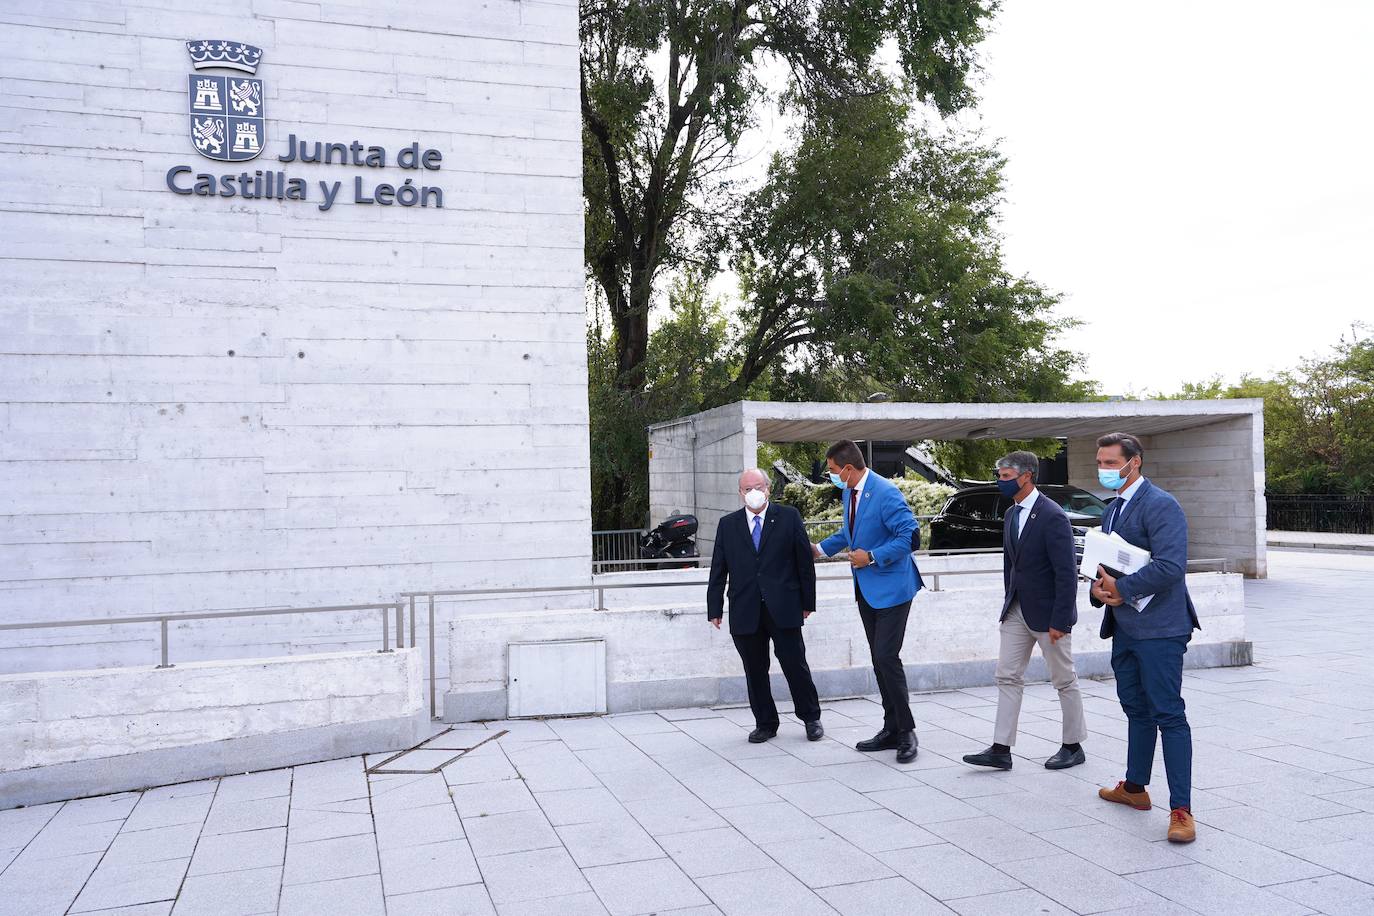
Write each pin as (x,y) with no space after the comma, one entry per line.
(1016,525)
(853,506)
(758,531)
(1113,514)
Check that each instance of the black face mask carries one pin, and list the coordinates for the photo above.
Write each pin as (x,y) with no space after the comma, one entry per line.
(1009,488)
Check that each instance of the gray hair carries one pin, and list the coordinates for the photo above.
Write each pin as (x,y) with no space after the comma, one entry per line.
(748,471)
(1021,463)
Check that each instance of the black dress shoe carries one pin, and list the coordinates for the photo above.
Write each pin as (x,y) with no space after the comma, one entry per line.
(883,741)
(989,758)
(907,746)
(1065,758)
(760,735)
(814,732)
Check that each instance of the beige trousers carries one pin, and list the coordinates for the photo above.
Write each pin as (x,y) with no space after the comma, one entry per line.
(1017,642)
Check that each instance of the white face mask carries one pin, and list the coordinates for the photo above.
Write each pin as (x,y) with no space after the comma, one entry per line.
(755,499)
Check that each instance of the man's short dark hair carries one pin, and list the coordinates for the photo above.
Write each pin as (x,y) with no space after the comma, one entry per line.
(1130,445)
(845,452)
(1021,463)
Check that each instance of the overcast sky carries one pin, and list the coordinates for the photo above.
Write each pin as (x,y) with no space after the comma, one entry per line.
(1194,177)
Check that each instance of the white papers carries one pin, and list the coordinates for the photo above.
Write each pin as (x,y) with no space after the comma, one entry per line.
(1115,553)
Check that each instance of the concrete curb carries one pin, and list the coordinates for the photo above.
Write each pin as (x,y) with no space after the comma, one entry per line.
(1322,546)
(167,766)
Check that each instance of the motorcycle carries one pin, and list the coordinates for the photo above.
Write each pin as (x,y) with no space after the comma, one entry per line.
(673,539)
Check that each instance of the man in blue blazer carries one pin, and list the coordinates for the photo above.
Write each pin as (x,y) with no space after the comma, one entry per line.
(877,529)
(763,554)
(1150,618)
(1039,607)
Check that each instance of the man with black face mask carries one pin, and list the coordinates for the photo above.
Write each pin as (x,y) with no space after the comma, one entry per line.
(1039,607)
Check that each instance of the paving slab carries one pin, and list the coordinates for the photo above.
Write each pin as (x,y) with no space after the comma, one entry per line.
(238,851)
(677,813)
(652,886)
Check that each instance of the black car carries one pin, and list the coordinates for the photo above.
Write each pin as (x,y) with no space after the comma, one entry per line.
(972,517)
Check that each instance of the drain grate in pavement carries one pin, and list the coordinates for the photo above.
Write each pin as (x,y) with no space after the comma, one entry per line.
(440,747)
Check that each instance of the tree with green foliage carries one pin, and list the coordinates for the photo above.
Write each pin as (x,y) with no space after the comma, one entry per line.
(866,259)
(1318,419)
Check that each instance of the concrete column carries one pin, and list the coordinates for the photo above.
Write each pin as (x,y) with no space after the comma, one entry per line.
(1217,474)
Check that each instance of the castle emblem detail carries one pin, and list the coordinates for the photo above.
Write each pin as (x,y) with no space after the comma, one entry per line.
(228,120)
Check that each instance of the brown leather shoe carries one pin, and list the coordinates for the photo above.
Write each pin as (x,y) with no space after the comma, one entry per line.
(1181,826)
(1137,800)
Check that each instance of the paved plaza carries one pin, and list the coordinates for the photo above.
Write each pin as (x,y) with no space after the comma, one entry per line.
(673,812)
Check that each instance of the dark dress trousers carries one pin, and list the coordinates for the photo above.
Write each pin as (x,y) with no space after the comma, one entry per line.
(769,590)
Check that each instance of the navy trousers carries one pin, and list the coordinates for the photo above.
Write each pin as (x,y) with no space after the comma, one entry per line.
(1149,683)
(790,649)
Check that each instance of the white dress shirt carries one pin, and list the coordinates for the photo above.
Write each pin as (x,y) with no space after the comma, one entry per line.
(1025,507)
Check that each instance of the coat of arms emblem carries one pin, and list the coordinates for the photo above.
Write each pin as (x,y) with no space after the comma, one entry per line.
(228,122)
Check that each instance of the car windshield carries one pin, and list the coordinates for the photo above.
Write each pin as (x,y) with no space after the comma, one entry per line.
(1080,503)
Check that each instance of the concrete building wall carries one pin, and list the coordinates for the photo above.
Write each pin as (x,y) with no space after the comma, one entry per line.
(695,467)
(1217,474)
(72,733)
(212,402)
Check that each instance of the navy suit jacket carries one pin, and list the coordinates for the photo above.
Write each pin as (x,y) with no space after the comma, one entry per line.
(1039,569)
(781,574)
(1154,520)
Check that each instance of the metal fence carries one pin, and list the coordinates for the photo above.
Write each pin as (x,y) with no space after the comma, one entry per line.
(1331,513)
(617,550)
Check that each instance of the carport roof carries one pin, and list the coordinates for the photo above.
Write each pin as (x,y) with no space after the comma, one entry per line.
(812,421)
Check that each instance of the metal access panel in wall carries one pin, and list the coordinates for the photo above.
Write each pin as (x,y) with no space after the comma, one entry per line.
(557,678)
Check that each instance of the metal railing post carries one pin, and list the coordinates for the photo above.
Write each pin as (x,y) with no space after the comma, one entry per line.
(400,626)
(412,621)
(162,624)
(433,706)
(386,634)
(600,598)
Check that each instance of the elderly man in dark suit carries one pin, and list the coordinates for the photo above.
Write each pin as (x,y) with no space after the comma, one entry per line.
(1039,607)
(764,555)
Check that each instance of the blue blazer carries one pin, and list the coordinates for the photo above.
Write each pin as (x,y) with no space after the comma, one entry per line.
(780,575)
(883,526)
(1039,569)
(1154,520)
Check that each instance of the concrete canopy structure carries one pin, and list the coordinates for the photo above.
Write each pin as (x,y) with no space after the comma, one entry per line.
(1210,454)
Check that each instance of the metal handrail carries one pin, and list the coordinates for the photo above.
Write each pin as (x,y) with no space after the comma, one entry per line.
(164,619)
(601,588)
(409,599)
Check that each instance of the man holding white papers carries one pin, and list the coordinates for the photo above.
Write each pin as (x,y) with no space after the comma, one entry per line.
(1149,637)
(1039,607)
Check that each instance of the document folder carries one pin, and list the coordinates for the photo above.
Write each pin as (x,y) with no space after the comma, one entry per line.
(1112,552)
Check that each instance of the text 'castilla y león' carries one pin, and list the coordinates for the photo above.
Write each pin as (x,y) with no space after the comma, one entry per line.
(275,185)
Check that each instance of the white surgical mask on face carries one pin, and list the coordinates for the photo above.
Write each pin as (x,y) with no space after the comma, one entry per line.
(755,499)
